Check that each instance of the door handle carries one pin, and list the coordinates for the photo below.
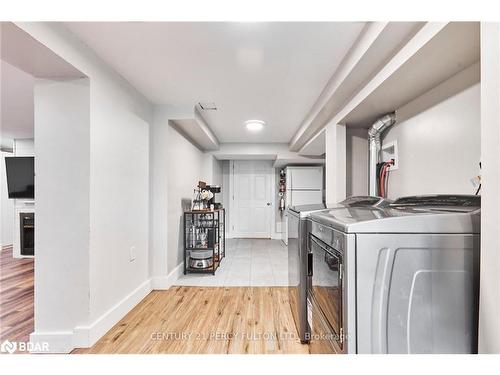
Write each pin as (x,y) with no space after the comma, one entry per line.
(268,203)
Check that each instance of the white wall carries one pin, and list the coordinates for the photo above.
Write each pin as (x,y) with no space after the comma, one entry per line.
(439,148)
(119,195)
(16,101)
(335,168)
(226,199)
(62,189)
(158,202)
(489,304)
(217,177)
(438,137)
(24,147)
(6,206)
(172,180)
(118,153)
(184,170)
(356,162)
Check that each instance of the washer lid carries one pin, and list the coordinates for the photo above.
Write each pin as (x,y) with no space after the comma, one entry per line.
(399,220)
(354,201)
(365,201)
(442,202)
(308,207)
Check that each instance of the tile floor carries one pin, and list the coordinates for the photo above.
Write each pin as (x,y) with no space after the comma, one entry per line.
(248,262)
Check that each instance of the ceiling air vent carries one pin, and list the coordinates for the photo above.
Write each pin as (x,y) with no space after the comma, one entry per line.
(208,106)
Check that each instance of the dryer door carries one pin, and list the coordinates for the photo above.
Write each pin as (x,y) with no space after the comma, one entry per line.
(325,267)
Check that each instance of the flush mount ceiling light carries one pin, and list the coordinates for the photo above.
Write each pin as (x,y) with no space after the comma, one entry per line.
(254,125)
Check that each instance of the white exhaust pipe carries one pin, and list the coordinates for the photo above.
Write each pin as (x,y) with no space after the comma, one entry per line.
(374,134)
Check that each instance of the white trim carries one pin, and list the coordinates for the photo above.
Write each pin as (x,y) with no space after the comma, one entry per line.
(58,342)
(86,336)
(160,283)
(175,274)
(272,199)
(229,230)
(165,282)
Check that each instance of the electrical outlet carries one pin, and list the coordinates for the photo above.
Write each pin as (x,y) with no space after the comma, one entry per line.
(132,254)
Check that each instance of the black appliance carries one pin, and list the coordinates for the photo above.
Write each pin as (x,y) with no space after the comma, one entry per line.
(215,189)
(27,222)
(20,177)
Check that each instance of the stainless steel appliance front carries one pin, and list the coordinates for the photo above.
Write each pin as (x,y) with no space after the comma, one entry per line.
(298,250)
(411,281)
(326,297)
(297,278)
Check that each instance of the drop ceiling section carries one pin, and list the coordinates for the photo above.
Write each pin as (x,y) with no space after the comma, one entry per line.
(19,49)
(388,42)
(452,50)
(436,53)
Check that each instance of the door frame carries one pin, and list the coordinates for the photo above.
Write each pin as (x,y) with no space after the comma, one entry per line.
(272,193)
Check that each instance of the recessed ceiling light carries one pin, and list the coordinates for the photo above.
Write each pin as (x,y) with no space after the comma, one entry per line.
(254,125)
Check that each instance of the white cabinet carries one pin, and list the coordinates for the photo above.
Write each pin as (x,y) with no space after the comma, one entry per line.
(304,178)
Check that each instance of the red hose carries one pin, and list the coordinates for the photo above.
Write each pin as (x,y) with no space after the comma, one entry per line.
(383,175)
(382,181)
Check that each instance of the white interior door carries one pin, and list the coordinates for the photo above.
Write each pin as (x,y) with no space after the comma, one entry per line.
(252,205)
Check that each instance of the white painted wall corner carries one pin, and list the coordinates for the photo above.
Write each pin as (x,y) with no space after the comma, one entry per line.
(165,282)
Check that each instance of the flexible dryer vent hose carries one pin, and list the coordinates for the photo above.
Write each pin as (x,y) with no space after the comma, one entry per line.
(374,135)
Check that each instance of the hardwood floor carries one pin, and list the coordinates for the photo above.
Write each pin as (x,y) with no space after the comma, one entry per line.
(16,297)
(183,319)
(212,320)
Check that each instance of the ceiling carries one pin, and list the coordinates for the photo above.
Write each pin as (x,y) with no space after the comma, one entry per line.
(16,104)
(23,59)
(268,71)
(19,49)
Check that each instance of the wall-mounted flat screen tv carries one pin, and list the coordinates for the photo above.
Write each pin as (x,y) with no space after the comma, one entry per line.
(20,177)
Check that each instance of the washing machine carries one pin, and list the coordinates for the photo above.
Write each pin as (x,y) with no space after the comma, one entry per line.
(297,252)
(399,279)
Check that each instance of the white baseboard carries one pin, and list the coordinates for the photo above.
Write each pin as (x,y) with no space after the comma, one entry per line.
(176,273)
(160,283)
(86,336)
(54,342)
(165,282)
(276,236)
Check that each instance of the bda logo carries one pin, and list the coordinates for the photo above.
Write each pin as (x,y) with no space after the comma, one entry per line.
(8,347)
